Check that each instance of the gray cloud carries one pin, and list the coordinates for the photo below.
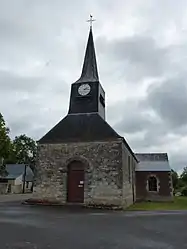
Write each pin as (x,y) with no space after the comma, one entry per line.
(139,56)
(169,100)
(12,82)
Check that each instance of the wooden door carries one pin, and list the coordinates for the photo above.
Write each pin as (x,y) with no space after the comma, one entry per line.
(75,182)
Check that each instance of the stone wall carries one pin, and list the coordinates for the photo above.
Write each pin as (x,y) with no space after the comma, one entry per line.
(129,190)
(103,171)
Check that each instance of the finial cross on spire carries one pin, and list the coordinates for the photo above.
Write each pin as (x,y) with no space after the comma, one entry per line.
(91,20)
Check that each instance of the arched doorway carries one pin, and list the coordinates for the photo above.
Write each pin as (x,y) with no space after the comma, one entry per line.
(75,184)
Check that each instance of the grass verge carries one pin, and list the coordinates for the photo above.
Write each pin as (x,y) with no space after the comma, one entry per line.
(179,203)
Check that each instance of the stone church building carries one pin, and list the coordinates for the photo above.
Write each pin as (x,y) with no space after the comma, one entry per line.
(84,160)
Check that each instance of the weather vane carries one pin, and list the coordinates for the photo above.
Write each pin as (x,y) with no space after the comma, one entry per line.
(91,20)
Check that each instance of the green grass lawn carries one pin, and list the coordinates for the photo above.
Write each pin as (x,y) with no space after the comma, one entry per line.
(179,203)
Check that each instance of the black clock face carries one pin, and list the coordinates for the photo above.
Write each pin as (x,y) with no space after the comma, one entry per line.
(84,89)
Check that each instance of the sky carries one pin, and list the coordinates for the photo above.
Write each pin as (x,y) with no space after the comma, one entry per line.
(141,49)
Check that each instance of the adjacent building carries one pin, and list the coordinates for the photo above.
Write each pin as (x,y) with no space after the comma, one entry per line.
(153,177)
(18,176)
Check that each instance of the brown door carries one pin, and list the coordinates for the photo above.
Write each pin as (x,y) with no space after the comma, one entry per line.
(75,182)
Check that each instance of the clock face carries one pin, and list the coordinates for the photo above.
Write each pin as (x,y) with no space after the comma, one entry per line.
(84,89)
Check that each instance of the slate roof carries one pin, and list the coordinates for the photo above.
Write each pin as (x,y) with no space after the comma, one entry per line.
(80,128)
(16,170)
(89,70)
(152,156)
(153,166)
(153,162)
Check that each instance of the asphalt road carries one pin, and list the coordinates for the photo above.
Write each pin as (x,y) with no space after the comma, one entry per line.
(49,227)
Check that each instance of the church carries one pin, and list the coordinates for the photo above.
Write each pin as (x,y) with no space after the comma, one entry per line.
(84,160)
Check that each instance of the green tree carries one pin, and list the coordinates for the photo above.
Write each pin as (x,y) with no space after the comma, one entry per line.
(25,150)
(183,182)
(175,179)
(183,176)
(11,158)
(5,144)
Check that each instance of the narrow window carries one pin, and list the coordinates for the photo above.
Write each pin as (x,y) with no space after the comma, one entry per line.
(152,182)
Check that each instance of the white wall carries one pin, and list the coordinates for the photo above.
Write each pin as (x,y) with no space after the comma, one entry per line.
(18,180)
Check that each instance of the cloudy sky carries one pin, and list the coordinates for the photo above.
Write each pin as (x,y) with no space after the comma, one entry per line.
(141,48)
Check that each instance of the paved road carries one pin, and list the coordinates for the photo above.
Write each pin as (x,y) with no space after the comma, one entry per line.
(53,227)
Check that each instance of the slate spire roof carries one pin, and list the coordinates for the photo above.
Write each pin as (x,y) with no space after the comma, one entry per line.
(89,69)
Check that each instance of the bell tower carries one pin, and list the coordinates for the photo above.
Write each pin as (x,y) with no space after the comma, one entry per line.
(85,120)
(87,95)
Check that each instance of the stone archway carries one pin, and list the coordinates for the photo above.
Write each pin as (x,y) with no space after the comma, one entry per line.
(75,181)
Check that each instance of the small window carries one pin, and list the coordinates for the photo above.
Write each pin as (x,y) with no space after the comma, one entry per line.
(27,184)
(152,182)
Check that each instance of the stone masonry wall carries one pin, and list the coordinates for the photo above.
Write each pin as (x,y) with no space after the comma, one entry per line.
(128,177)
(103,171)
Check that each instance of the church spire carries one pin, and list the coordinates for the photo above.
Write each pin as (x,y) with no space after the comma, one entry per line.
(89,70)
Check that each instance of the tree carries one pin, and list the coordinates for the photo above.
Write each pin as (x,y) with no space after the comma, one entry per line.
(182,184)
(22,150)
(25,150)
(5,144)
(175,179)
(183,176)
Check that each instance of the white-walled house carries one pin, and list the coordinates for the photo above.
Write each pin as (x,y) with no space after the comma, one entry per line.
(16,174)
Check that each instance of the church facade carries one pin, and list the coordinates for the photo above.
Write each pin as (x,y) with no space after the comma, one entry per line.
(83,159)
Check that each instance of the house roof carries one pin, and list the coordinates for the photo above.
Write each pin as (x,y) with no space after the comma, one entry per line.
(153,162)
(16,170)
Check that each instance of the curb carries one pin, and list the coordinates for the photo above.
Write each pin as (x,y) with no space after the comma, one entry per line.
(96,207)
